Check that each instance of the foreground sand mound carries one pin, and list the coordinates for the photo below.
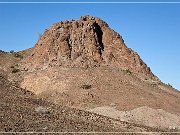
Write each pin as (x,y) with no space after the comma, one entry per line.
(143,115)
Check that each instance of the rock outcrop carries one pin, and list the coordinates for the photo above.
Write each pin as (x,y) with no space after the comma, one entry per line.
(88,42)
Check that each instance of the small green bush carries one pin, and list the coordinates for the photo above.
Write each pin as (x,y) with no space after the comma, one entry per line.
(127,71)
(170,85)
(15,70)
(18,55)
(12,51)
(12,66)
(86,86)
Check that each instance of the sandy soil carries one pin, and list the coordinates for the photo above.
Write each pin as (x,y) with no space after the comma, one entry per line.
(142,115)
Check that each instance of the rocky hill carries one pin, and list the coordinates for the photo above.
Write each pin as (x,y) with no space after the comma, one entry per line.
(88,42)
(78,67)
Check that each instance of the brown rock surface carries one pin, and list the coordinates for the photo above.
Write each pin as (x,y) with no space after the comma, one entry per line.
(87,42)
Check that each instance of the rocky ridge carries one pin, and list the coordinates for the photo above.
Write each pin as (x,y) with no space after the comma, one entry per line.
(88,42)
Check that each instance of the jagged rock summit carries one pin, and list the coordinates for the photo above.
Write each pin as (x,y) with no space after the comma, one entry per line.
(87,42)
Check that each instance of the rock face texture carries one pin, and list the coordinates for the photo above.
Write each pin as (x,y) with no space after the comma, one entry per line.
(88,42)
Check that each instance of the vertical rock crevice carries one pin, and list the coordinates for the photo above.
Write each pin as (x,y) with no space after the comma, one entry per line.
(99,36)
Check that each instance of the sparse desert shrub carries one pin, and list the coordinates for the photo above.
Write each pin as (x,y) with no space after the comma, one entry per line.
(86,86)
(18,55)
(12,66)
(170,85)
(12,51)
(127,71)
(1,51)
(174,129)
(41,110)
(15,70)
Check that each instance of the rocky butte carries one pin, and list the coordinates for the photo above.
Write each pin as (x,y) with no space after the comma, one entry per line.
(83,64)
(88,42)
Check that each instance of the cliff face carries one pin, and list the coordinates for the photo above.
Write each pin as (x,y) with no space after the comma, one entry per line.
(87,42)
